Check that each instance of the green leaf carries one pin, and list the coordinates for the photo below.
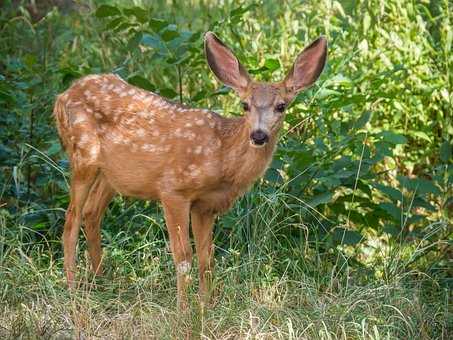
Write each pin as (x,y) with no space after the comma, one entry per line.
(420,185)
(421,135)
(152,41)
(391,229)
(393,137)
(325,92)
(392,210)
(142,82)
(114,23)
(273,176)
(322,198)
(420,202)
(393,193)
(169,33)
(138,12)
(157,24)
(167,92)
(105,11)
(272,64)
(346,236)
(363,119)
(54,148)
(445,152)
(199,96)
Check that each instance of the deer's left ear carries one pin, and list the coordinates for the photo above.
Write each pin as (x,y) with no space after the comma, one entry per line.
(224,64)
(308,66)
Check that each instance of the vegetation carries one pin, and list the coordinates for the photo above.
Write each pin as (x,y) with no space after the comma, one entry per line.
(349,234)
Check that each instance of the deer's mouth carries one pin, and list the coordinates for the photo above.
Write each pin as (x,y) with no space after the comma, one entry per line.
(259,138)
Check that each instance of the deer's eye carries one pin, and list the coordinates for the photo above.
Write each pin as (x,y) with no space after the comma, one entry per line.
(245,106)
(280,107)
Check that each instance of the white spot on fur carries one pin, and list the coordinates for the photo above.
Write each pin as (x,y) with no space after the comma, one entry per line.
(200,122)
(141,132)
(183,267)
(198,149)
(188,125)
(148,147)
(94,151)
(79,119)
(84,139)
(115,137)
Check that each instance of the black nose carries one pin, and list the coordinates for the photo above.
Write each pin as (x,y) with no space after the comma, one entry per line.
(259,137)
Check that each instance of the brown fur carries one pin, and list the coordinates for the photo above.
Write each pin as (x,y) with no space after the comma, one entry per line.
(122,139)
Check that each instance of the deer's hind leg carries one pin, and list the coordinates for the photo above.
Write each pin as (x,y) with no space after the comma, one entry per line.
(98,199)
(80,186)
(84,152)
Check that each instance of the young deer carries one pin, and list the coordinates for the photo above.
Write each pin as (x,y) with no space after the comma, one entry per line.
(122,139)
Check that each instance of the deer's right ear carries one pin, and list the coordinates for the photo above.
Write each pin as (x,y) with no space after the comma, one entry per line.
(224,64)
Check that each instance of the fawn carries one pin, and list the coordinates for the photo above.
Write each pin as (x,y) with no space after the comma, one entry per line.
(124,140)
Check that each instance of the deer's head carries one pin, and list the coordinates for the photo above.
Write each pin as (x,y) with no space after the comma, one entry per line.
(265,103)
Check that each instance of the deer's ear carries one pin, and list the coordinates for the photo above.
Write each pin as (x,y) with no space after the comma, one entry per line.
(308,66)
(224,64)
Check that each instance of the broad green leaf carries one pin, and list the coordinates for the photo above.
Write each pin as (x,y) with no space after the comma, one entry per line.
(346,236)
(152,41)
(391,229)
(325,197)
(139,13)
(114,23)
(141,82)
(393,137)
(363,119)
(393,193)
(420,185)
(167,92)
(157,24)
(273,176)
(392,210)
(420,202)
(445,152)
(169,33)
(105,11)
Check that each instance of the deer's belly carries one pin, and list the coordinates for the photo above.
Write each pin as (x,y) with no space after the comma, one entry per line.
(216,200)
(132,175)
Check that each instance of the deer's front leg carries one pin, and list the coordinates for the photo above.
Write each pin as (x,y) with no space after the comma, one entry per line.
(202,226)
(176,210)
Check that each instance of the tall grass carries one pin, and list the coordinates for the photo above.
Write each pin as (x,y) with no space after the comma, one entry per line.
(264,287)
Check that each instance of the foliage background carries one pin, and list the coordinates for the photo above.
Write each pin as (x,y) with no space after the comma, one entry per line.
(347,236)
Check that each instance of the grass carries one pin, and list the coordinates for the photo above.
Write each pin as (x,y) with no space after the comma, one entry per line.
(266,288)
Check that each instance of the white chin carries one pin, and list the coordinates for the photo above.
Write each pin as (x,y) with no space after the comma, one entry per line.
(258,146)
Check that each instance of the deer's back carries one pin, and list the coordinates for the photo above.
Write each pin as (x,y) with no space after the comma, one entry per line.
(142,143)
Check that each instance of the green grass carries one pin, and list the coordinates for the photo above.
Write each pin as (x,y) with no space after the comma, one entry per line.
(264,289)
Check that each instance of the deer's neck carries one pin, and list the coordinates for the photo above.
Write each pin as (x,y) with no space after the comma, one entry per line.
(243,163)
